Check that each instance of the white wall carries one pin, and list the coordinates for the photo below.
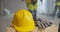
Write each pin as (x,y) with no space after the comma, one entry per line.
(51,6)
(1,7)
(15,5)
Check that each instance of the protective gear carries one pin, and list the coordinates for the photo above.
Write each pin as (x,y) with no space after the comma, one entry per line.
(23,21)
(28,1)
(31,4)
(32,7)
(58,3)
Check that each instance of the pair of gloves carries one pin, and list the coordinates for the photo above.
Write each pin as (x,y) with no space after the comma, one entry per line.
(43,24)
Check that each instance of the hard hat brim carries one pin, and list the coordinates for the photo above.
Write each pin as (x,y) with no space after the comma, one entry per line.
(30,28)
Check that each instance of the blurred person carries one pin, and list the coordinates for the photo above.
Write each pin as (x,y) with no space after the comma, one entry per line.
(57,6)
(32,7)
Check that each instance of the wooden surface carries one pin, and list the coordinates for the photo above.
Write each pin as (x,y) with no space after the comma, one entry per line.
(53,28)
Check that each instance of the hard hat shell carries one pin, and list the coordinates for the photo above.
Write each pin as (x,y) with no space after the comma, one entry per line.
(23,21)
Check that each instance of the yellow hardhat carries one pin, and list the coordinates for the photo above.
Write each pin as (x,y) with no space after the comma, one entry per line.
(23,21)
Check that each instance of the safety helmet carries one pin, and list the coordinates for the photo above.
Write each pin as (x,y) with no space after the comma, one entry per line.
(23,21)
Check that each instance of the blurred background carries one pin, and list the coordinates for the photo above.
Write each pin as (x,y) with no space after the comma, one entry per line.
(45,11)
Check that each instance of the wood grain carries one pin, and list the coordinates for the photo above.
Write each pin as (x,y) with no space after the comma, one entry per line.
(53,28)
